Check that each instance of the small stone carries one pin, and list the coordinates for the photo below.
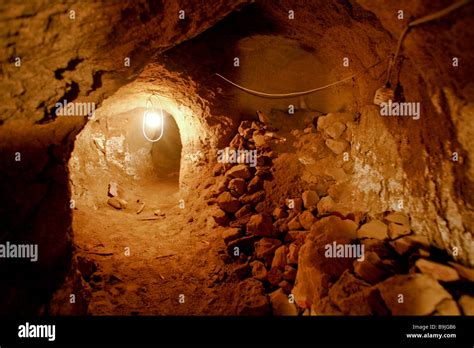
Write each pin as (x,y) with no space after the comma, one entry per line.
(244,125)
(237,142)
(158,212)
(279,259)
(310,199)
(289,273)
(396,230)
(258,270)
(447,307)
(252,298)
(308,130)
(398,218)
(237,187)
(325,205)
(261,225)
(248,134)
(373,229)
(407,244)
(275,276)
(228,203)
(266,247)
(335,130)
(279,213)
(306,219)
(337,146)
(371,269)
(293,250)
(242,271)
(241,222)
(281,227)
(113,189)
(260,141)
(256,184)
(239,171)
(253,199)
(285,286)
(245,245)
(281,305)
(377,246)
(245,210)
(466,303)
(220,217)
(291,236)
(260,207)
(231,234)
(294,224)
(436,270)
(218,169)
(463,271)
(262,171)
(117,203)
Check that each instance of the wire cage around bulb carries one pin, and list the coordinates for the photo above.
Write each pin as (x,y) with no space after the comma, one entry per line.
(153,118)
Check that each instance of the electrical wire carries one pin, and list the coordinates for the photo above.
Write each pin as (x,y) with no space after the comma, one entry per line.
(295,94)
(425,19)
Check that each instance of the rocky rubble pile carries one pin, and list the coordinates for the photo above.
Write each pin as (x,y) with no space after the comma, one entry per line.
(301,258)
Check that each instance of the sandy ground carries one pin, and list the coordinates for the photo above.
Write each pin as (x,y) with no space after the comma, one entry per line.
(173,267)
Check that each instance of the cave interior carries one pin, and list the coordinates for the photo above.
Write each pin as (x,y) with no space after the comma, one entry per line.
(264,201)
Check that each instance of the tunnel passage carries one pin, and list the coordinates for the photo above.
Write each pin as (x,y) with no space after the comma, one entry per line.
(166,153)
(113,150)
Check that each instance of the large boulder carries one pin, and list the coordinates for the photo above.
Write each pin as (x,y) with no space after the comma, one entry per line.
(252,298)
(316,271)
(412,294)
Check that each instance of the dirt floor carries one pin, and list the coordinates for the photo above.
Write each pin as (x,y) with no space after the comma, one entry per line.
(169,257)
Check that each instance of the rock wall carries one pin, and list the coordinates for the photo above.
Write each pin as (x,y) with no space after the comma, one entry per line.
(80,56)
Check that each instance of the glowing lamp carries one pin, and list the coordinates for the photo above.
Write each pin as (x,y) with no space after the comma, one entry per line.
(153,120)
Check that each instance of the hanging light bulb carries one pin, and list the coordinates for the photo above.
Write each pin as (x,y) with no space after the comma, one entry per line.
(153,120)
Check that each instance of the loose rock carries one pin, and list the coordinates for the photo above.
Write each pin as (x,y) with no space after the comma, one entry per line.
(239,171)
(373,229)
(237,187)
(279,259)
(231,234)
(420,293)
(252,300)
(261,225)
(281,305)
(466,303)
(436,270)
(258,270)
(310,199)
(228,203)
(306,219)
